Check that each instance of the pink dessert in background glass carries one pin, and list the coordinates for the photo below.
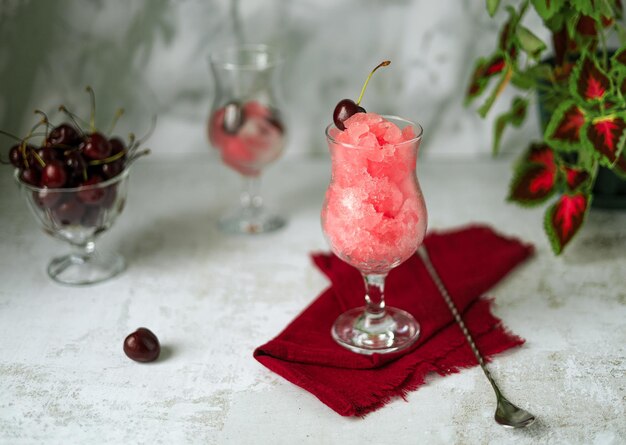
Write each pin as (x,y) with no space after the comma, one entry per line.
(253,142)
(374,218)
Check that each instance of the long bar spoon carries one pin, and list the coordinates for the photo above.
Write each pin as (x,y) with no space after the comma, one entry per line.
(507,414)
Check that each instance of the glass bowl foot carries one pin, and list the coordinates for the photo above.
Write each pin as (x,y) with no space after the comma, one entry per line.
(396,331)
(82,269)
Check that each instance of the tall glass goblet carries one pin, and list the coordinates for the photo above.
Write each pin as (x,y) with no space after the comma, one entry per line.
(374,218)
(245,125)
(78,216)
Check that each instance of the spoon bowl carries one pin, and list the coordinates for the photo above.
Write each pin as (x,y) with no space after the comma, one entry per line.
(511,416)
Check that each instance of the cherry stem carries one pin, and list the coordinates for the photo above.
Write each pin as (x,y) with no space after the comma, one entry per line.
(384,63)
(139,154)
(150,131)
(46,121)
(92,117)
(131,142)
(118,114)
(73,118)
(38,158)
(115,157)
(12,136)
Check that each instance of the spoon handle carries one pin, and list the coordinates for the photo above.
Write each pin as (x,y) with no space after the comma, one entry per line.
(423,253)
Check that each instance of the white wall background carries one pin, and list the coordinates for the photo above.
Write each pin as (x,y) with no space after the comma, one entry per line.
(149,56)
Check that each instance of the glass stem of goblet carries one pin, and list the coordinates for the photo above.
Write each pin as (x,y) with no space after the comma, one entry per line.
(251,196)
(88,249)
(374,295)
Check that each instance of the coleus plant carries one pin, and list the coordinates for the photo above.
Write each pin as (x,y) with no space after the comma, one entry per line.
(582,87)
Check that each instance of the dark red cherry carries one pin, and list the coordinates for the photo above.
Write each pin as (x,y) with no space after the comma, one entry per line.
(75,166)
(64,134)
(31,176)
(142,346)
(47,154)
(345,109)
(15,156)
(112,169)
(69,212)
(92,196)
(96,146)
(53,175)
(47,199)
(117,145)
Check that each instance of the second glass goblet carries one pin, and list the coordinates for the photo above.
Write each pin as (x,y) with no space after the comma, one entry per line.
(374,218)
(245,125)
(78,216)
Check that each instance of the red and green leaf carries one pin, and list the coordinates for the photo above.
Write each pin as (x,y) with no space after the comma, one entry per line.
(514,117)
(547,8)
(535,178)
(564,219)
(484,70)
(565,129)
(589,82)
(606,135)
(575,178)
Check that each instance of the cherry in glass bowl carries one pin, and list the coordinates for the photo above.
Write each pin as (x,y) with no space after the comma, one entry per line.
(79,216)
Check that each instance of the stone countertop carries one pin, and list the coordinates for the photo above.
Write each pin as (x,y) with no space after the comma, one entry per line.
(211,299)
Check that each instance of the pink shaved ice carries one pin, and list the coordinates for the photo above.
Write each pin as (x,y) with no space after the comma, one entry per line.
(374,215)
(256,143)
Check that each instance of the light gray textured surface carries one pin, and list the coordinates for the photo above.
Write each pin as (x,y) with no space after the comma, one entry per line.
(211,299)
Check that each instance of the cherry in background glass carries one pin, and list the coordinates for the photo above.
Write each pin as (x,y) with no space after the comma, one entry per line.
(246,127)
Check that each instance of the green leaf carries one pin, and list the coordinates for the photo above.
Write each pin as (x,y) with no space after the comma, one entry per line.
(592,8)
(529,42)
(547,8)
(514,117)
(571,21)
(618,61)
(492,6)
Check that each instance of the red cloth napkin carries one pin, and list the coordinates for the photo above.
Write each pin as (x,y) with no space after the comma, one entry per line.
(469,260)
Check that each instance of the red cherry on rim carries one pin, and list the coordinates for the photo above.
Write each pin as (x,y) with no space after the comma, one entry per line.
(142,346)
(345,109)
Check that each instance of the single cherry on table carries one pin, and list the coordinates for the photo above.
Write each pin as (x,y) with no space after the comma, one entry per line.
(142,346)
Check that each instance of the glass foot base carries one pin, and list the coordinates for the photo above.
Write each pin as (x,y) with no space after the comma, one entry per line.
(250,222)
(77,269)
(397,330)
